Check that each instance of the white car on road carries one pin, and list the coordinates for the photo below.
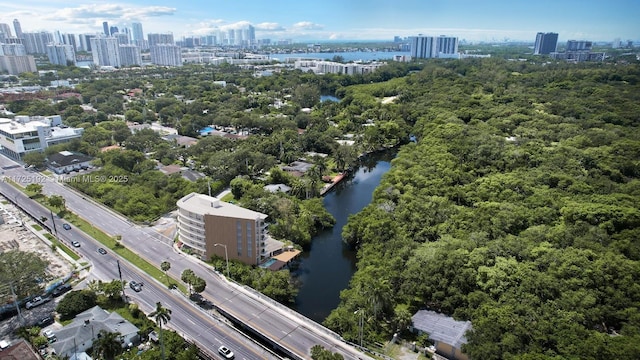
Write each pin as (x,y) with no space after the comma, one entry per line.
(37,301)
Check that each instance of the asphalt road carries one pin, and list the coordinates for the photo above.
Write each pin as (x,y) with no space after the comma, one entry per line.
(285,327)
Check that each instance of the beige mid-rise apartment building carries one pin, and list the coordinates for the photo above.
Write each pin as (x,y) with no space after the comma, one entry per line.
(209,226)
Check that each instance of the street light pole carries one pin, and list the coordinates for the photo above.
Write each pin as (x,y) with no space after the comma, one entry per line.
(361,323)
(226,256)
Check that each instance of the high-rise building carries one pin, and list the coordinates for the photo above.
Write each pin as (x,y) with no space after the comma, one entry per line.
(546,43)
(60,54)
(12,49)
(113,30)
(156,39)
(36,43)
(70,39)
(123,38)
(85,41)
(210,227)
(106,51)
(166,54)
(15,65)
(18,28)
(130,55)
(575,45)
(5,32)
(105,28)
(138,35)
(425,47)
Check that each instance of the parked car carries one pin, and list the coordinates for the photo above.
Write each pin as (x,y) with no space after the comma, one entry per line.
(36,301)
(75,243)
(61,290)
(224,351)
(66,226)
(137,287)
(102,251)
(45,321)
(50,335)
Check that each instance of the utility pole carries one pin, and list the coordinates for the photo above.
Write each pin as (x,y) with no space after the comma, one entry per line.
(124,297)
(53,220)
(13,293)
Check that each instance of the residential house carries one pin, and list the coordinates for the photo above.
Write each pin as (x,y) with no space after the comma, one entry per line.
(447,334)
(79,336)
(65,162)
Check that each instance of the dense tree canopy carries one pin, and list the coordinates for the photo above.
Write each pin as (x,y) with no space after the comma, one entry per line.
(517,209)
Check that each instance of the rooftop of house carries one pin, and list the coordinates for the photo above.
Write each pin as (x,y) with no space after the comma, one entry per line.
(441,327)
(87,325)
(19,350)
(66,158)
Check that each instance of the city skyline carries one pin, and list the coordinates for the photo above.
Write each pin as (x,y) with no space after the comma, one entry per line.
(336,20)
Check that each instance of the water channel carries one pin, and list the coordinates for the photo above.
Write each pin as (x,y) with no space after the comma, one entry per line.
(327,267)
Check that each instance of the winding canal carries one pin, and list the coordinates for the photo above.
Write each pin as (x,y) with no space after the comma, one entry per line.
(327,267)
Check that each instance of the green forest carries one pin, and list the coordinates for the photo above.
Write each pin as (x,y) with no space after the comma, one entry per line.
(516,209)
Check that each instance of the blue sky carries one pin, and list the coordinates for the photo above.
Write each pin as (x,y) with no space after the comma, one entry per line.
(323,20)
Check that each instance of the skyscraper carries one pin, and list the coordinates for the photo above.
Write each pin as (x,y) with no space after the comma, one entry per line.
(5,32)
(138,35)
(546,43)
(60,54)
(105,28)
(18,28)
(106,51)
(130,55)
(36,43)
(85,41)
(157,39)
(166,54)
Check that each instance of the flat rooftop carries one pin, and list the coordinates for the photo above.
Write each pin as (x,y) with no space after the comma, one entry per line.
(208,205)
(14,127)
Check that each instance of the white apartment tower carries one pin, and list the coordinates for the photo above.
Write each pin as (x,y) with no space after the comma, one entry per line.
(60,54)
(12,50)
(425,47)
(138,35)
(166,54)
(130,55)
(36,43)
(156,39)
(106,51)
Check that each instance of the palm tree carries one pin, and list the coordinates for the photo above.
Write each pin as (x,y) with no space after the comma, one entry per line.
(162,316)
(165,266)
(108,345)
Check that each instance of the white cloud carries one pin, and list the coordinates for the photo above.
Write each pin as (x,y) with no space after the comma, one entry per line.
(269,26)
(102,12)
(306,25)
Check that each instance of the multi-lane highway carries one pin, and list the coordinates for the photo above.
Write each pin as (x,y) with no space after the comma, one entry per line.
(194,323)
(288,329)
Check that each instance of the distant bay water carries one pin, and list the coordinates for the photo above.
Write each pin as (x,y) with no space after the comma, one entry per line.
(347,56)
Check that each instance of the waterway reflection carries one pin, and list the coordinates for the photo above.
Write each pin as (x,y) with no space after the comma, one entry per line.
(327,267)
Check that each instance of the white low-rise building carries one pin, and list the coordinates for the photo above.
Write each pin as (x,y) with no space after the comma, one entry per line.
(25,134)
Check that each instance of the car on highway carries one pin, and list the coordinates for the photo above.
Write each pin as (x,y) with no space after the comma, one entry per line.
(224,351)
(135,286)
(102,251)
(75,243)
(61,290)
(36,301)
(66,226)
